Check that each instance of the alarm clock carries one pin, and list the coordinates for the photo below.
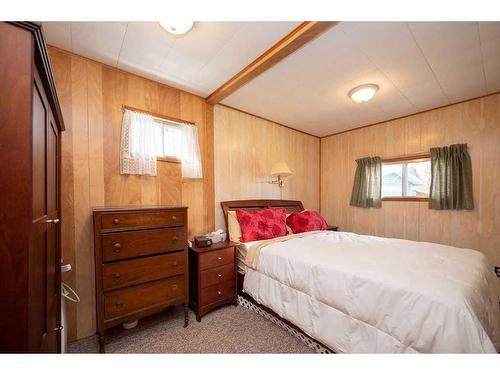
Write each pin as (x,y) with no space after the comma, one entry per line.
(202,241)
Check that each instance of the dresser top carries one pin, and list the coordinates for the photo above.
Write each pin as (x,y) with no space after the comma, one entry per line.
(136,208)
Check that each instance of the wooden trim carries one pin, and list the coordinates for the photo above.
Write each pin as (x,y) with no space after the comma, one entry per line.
(159,115)
(168,159)
(268,120)
(297,38)
(405,199)
(415,157)
(411,114)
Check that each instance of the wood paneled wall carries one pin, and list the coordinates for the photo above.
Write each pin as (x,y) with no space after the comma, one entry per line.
(476,122)
(91,96)
(246,147)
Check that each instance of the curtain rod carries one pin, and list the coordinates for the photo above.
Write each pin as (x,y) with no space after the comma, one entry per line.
(157,115)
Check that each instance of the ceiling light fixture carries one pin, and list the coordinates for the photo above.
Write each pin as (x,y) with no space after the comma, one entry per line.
(363,93)
(177,28)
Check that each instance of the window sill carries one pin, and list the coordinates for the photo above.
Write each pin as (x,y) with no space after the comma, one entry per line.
(405,199)
(168,159)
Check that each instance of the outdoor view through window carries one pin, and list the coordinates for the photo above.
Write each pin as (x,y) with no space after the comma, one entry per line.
(406,179)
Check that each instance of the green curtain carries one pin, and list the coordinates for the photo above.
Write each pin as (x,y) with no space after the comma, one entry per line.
(367,183)
(451,178)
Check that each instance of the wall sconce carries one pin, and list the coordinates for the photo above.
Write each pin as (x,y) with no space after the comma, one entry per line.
(280,170)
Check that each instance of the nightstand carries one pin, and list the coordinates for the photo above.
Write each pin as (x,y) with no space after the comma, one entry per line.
(334,228)
(212,277)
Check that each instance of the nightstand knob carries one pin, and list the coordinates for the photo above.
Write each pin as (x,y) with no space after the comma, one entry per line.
(116,221)
(174,217)
(117,246)
(219,258)
(117,276)
(219,275)
(219,293)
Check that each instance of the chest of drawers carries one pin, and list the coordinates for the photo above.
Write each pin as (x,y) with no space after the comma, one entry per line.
(212,277)
(141,263)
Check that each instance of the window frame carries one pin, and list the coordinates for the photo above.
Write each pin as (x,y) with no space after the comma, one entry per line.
(398,160)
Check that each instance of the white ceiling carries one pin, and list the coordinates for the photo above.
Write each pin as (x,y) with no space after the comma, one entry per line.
(418,66)
(198,62)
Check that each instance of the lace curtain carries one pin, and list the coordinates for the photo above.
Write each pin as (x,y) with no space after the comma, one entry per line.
(145,137)
(138,152)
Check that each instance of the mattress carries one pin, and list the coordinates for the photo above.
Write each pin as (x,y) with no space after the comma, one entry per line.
(365,294)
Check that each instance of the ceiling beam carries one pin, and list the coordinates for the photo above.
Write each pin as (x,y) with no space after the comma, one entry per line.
(297,38)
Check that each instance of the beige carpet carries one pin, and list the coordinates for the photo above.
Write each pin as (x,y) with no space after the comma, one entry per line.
(230,329)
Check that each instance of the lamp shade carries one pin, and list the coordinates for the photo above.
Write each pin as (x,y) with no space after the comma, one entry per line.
(280,169)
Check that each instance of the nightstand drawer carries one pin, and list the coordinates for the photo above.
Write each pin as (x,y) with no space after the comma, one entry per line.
(129,300)
(131,220)
(216,258)
(217,292)
(136,271)
(216,275)
(136,243)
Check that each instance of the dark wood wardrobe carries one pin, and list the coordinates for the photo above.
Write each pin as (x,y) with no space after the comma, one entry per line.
(30,151)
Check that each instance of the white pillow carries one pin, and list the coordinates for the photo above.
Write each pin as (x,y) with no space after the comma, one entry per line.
(233,227)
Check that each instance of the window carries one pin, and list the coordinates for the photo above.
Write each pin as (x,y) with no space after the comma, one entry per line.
(145,137)
(179,141)
(406,178)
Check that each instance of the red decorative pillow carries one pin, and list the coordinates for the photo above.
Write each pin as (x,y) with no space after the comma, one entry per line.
(306,221)
(261,224)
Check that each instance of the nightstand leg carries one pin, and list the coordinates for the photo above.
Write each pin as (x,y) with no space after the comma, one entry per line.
(186,315)
(198,318)
(101,342)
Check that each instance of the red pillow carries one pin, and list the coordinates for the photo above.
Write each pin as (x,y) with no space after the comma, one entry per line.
(306,221)
(261,224)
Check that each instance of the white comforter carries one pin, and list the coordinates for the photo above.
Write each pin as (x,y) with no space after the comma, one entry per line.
(370,294)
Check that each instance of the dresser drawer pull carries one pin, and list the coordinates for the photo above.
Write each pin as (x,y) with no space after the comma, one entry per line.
(174,263)
(174,217)
(175,239)
(119,304)
(116,221)
(219,258)
(174,287)
(219,275)
(117,276)
(117,246)
(219,293)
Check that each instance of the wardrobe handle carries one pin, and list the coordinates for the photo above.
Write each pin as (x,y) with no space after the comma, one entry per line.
(52,221)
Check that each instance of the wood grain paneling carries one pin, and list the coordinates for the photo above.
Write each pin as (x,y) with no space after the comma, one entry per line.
(92,95)
(476,122)
(246,147)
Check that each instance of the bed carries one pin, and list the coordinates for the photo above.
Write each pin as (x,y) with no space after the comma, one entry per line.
(366,294)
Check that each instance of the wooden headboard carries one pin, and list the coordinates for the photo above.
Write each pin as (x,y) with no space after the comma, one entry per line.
(258,204)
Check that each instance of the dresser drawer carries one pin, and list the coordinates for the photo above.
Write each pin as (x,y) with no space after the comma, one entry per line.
(131,220)
(136,271)
(217,292)
(123,245)
(216,258)
(129,300)
(216,275)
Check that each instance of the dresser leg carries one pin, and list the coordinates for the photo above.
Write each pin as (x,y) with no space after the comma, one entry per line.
(186,315)
(101,342)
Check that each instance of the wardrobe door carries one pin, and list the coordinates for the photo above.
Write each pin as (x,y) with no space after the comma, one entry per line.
(44,252)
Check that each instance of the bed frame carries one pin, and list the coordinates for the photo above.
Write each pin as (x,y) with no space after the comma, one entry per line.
(257,204)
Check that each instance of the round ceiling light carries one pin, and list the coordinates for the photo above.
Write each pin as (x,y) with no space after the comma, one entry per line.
(177,28)
(363,93)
